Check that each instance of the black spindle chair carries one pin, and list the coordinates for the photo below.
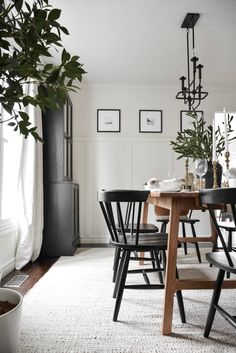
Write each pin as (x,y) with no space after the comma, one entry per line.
(224,260)
(113,205)
(144,228)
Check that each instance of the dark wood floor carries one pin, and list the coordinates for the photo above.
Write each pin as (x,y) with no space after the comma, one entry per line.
(36,270)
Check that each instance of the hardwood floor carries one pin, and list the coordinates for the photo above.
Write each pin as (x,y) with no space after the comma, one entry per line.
(35,271)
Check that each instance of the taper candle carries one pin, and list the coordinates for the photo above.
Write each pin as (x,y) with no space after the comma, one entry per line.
(213,140)
(226,133)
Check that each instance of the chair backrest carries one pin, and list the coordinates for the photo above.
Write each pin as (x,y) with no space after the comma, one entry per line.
(120,207)
(213,197)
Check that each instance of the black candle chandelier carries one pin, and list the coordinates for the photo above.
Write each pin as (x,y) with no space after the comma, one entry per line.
(191,90)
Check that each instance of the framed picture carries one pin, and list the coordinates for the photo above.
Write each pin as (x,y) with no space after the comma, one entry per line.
(150,121)
(186,120)
(108,120)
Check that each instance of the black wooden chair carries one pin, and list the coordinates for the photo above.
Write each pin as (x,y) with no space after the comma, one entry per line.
(144,229)
(184,220)
(226,223)
(131,240)
(224,260)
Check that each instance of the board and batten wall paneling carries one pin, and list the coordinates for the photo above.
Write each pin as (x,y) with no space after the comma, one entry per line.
(129,158)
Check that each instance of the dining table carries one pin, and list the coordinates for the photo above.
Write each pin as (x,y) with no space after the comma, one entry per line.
(177,203)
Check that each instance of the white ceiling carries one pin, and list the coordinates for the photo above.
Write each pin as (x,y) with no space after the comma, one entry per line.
(142,42)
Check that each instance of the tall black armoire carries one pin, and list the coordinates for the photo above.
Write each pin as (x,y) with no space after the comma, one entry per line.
(61,195)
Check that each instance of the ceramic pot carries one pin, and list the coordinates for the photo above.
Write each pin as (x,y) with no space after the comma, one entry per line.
(10,321)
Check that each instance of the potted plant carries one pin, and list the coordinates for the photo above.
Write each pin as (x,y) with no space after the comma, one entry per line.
(30,31)
(197,143)
(10,319)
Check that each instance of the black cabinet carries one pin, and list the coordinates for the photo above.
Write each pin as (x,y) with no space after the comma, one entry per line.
(61,195)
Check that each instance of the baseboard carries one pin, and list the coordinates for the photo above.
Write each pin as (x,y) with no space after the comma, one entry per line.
(94,240)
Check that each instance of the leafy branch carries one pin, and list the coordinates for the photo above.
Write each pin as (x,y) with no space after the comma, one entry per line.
(197,142)
(28,33)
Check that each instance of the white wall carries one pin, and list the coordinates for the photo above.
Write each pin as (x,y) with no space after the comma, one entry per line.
(7,247)
(128,158)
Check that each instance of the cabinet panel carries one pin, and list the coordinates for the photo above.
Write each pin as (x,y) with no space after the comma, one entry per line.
(61,219)
(57,151)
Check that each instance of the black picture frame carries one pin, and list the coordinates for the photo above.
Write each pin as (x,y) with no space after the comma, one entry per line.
(150,121)
(186,120)
(108,120)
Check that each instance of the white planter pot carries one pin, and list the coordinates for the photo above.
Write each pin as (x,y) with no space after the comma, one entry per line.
(10,322)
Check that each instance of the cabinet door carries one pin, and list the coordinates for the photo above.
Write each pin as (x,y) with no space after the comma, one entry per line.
(76,239)
(61,220)
(57,149)
(67,162)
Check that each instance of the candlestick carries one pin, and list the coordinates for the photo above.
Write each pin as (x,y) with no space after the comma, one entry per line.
(186,174)
(215,185)
(227,154)
(226,133)
(213,140)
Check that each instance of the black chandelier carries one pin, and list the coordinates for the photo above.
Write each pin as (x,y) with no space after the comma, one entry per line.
(191,90)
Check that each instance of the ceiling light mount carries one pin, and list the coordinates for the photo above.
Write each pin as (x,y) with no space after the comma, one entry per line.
(191,90)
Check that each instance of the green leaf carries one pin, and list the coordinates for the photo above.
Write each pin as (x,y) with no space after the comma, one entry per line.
(11,124)
(18,4)
(24,116)
(64,30)
(65,56)
(54,14)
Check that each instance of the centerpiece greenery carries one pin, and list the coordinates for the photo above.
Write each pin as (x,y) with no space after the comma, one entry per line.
(197,142)
(29,32)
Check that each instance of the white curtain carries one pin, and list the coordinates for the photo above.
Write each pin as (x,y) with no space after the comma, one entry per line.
(30,192)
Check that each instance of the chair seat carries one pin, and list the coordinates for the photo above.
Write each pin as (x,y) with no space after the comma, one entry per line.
(144,228)
(184,219)
(219,260)
(189,220)
(147,242)
(229,226)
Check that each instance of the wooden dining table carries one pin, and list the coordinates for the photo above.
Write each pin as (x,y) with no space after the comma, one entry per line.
(176,203)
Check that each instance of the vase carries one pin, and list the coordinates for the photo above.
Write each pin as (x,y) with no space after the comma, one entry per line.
(209,181)
(10,321)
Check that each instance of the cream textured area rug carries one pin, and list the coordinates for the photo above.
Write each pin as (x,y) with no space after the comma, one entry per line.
(70,311)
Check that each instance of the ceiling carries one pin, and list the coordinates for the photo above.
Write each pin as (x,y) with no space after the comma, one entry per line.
(142,42)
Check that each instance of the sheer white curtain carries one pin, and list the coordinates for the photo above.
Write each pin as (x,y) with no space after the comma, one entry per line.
(30,192)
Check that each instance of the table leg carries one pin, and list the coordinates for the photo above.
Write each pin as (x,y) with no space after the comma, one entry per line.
(145,215)
(170,276)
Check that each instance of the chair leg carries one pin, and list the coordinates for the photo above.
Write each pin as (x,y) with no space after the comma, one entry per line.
(153,258)
(184,236)
(121,263)
(214,301)
(116,263)
(163,256)
(196,244)
(229,245)
(121,284)
(158,264)
(180,302)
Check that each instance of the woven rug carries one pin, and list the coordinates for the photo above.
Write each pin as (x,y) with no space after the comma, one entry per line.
(70,311)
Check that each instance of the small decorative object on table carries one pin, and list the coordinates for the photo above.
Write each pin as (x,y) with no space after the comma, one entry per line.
(201,167)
